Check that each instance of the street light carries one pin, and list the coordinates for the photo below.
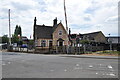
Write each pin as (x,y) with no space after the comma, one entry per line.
(110,42)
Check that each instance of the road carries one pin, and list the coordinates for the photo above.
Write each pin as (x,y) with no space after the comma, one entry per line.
(23,65)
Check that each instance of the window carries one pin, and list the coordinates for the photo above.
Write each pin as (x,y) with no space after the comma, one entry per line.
(60,32)
(43,43)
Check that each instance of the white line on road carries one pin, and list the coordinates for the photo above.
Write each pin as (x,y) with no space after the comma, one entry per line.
(77,64)
(111,74)
(96,73)
(90,66)
(65,70)
(109,66)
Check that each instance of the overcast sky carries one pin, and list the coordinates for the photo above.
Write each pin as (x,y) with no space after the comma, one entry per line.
(84,16)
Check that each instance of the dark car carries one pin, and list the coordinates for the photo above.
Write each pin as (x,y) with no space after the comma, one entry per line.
(24,46)
(4,46)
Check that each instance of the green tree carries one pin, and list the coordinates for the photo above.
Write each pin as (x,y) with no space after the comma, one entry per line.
(31,42)
(84,42)
(5,39)
(18,30)
(15,39)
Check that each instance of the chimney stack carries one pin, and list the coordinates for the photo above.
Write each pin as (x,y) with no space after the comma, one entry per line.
(69,31)
(35,21)
(55,21)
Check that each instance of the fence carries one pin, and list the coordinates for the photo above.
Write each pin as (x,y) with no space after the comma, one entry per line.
(64,49)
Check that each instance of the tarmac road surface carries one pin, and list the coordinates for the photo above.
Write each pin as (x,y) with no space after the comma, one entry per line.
(23,65)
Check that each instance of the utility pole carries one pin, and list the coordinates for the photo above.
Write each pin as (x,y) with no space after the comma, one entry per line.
(65,16)
(110,42)
(9,28)
(66,21)
(10,48)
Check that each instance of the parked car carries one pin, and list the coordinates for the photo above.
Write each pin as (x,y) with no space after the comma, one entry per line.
(24,46)
(14,44)
(3,46)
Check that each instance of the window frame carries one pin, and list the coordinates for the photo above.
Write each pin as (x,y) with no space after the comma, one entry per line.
(43,43)
(60,32)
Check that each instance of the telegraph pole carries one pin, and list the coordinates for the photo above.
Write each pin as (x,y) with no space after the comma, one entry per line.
(9,28)
(66,21)
(110,42)
(65,16)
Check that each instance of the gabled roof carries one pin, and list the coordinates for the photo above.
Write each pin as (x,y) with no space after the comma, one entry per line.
(93,34)
(43,31)
(54,27)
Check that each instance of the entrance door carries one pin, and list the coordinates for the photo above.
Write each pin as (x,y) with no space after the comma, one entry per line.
(60,43)
(50,44)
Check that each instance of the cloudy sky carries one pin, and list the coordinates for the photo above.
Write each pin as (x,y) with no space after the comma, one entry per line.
(84,16)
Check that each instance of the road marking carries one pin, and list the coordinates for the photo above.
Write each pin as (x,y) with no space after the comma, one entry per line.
(90,66)
(109,66)
(77,64)
(65,70)
(96,73)
(111,74)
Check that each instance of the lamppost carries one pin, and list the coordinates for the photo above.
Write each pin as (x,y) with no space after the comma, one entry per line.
(19,42)
(110,42)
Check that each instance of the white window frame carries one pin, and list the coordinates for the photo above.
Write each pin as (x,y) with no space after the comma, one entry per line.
(43,43)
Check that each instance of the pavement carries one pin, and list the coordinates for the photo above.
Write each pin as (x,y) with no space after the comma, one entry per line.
(76,56)
(17,65)
(91,56)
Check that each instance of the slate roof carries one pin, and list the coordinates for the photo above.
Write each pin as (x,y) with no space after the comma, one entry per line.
(92,35)
(43,31)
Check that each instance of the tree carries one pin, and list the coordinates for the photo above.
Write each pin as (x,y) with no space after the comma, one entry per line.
(15,39)
(5,39)
(18,30)
(84,42)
